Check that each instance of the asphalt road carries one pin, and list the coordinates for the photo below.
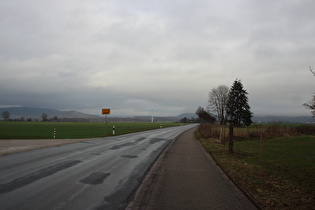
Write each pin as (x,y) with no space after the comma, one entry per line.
(98,174)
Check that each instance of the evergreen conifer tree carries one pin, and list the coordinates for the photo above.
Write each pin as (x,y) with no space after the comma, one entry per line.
(238,109)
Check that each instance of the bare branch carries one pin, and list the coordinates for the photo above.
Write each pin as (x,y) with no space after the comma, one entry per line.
(217,102)
(311,106)
(312,70)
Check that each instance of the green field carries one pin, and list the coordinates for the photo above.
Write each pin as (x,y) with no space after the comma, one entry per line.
(290,158)
(287,181)
(45,130)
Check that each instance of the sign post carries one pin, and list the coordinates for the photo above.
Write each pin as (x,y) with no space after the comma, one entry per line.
(105,112)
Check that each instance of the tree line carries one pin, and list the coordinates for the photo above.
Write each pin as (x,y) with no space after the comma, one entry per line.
(230,106)
(6,116)
(227,106)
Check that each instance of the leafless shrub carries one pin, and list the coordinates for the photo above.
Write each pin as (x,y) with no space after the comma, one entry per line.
(306,129)
(220,132)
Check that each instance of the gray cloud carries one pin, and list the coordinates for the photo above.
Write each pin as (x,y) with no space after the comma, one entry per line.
(135,56)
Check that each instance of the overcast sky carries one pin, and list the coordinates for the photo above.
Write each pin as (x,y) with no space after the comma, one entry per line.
(135,56)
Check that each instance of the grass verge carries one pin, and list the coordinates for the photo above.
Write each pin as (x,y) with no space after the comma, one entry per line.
(287,181)
(45,130)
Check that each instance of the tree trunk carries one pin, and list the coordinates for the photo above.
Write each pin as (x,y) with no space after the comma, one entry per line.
(231,138)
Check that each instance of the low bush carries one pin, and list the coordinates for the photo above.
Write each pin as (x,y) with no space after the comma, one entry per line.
(306,129)
(220,132)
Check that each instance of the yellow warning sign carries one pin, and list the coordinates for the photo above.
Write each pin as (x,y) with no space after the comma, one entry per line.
(105,111)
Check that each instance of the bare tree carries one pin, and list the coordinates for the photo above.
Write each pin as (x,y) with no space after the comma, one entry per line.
(44,117)
(311,104)
(5,115)
(55,119)
(218,98)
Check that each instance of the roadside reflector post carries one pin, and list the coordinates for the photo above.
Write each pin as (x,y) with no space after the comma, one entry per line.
(113,130)
(54,133)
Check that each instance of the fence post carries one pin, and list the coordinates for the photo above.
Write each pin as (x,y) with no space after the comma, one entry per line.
(221,135)
(230,138)
(224,138)
(261,154)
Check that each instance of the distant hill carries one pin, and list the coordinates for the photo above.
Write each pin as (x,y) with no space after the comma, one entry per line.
(36,113)
(283,119)
(187,115)
(168,118)
(266,119)
(31,112)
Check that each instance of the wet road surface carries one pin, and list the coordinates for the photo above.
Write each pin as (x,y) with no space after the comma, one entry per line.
(98,174)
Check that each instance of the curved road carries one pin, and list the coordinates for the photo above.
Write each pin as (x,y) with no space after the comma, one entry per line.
(98,174)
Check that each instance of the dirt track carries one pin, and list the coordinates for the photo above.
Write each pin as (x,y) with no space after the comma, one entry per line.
(15,146)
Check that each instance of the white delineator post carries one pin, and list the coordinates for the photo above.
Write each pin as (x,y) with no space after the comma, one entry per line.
(54,133)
